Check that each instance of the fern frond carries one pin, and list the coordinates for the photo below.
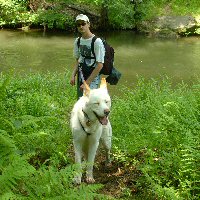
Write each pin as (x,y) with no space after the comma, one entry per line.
(57,184)
(7,148)
(6,125)
(3,84)
(8,196)
(13,167)
(18,169)
(189,166)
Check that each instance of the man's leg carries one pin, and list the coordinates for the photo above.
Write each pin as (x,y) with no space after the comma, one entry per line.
(79,91)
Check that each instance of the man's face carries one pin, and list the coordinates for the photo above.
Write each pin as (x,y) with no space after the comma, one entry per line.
(82,26)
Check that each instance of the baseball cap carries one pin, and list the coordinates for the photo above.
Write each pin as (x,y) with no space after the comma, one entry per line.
(82,18)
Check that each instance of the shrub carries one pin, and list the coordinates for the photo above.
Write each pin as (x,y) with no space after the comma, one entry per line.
(161,128)
(155,130)
(35,139)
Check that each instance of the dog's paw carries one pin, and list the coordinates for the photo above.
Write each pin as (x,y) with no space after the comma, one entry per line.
(108,164)
(77,180)
(90,180)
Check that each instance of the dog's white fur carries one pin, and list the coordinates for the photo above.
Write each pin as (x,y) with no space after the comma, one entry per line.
(89,125)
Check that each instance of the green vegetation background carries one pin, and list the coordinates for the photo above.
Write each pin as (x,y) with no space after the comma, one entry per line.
(156,131)
(156,127)
(58,14)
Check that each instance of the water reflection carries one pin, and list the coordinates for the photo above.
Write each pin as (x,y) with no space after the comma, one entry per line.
(135,54)
(32,52)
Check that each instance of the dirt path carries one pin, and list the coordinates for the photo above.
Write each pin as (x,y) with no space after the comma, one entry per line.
(118,179)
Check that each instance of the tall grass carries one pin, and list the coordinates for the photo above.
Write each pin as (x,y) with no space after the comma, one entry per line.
(156,129)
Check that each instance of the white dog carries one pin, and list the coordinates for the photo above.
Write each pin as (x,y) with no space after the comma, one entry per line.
(89,124)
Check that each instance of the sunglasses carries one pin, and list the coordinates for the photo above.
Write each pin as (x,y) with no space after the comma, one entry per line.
(81,24)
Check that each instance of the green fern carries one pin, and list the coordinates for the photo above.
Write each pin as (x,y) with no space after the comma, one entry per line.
(6,125)
(189,167)
(7,148)
(3,85)
(9,196)
(13,167)
(51,183)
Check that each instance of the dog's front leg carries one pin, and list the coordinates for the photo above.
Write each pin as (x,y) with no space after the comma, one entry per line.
(92,149)
(78,158)
(106,140)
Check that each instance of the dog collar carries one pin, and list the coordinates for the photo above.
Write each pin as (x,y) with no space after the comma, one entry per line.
(86,116)
(87,123)
(88,134)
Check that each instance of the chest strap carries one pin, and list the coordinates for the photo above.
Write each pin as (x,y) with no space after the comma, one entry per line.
(92,49)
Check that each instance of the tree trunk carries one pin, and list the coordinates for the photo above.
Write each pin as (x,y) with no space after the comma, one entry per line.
(104,22)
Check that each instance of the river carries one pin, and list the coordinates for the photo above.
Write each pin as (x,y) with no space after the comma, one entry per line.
(36,51)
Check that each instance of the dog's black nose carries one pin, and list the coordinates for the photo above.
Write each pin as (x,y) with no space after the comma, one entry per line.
(106,112)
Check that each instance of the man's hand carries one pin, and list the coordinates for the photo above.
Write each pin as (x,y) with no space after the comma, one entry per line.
(94,73)
(74,73)
(82,86)
(73,81)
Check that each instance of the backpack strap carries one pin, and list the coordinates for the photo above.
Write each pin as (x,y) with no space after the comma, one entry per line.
(78,42)
(92,45)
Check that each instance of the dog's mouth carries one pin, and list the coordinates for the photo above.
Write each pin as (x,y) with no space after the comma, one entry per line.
(102,120)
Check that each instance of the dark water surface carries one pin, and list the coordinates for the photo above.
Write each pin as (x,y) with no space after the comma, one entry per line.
(36,51)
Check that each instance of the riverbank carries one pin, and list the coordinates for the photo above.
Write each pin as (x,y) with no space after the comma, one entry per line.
(155,148)
(169,19)
(153,17)
(170,26)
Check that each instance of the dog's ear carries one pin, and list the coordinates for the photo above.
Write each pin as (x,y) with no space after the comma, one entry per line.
(86,90)
(103,83)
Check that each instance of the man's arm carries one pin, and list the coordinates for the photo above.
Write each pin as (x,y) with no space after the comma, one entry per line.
(94,73)
(73,77)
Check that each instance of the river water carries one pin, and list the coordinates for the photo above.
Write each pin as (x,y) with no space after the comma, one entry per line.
(36,51)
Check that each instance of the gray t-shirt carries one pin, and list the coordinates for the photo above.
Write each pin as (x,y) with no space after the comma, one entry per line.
(85,49)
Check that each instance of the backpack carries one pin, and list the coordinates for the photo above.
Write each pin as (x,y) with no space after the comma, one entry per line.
(108,58)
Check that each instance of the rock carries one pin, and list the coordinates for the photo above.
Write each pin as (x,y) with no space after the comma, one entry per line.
(170,26)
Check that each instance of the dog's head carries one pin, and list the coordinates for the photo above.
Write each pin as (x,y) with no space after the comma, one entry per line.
(98,101)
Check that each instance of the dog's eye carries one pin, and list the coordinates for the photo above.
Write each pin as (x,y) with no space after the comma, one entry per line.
(106,101)
(97,103)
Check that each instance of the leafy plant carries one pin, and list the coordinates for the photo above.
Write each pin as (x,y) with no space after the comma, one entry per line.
(55,18)
(155,131)
(125,17)
(160,127)
(14,12)
(35,140)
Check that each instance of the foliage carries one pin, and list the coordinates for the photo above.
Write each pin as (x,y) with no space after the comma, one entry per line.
(150,9)
(35,139)
(14,12)
(122,14)
(155,130)
(184,7)
(54,18)
(161,128)
(125,17)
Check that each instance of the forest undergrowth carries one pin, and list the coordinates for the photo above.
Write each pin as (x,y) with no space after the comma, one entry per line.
(155,151)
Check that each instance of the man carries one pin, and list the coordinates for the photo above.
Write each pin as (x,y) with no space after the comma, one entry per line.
(87,66)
